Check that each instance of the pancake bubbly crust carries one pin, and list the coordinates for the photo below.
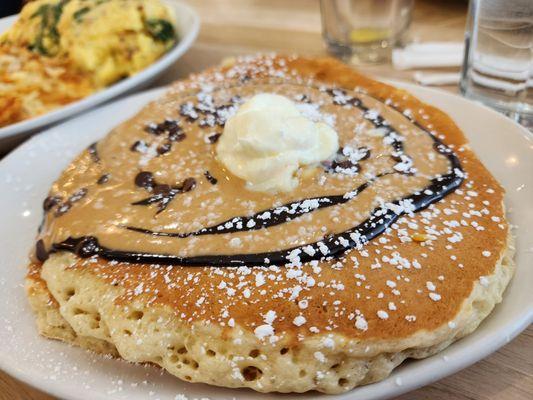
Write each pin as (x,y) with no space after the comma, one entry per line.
(345,307)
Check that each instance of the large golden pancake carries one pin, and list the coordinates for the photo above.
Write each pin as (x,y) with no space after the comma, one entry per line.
(152,251)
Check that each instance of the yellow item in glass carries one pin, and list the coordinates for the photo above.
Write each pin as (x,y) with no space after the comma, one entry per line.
(369,35)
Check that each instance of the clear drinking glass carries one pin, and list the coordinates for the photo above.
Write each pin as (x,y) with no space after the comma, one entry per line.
(364,31)
(498,64)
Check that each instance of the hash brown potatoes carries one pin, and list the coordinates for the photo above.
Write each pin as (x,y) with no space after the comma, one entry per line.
(99,42)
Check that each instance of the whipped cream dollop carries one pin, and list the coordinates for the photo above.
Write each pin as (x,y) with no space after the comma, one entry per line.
(268,140)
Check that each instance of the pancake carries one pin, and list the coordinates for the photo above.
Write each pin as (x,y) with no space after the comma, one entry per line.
(151,250)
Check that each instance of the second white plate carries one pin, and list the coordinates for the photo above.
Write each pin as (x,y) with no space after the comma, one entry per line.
(187,24)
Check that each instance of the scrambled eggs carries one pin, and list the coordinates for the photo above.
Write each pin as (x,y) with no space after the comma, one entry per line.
(110,39)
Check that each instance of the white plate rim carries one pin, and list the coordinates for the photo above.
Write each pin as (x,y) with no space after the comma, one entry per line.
(485,345)
(186,40)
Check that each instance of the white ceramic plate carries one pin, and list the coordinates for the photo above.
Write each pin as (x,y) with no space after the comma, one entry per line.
(71,373)
(187,22)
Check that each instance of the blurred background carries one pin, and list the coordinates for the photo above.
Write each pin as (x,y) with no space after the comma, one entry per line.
(420,41)
(235,27)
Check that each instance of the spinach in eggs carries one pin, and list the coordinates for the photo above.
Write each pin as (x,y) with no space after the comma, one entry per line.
(160,29)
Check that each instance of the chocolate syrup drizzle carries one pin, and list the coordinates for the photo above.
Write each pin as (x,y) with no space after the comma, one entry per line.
(269,217)
(331,246)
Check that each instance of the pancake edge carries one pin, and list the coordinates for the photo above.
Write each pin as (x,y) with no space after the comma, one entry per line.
(363,361)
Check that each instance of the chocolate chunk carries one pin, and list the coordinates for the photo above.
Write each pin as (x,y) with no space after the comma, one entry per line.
(188,184)
(169,124)
(153,129)
(341,163)
(145,179)
(396,156)
(354,102)
(212,180)
(221,114)
(174,129)
(78,195)
(67,205)
(163,189)
(176,136)
(214,138)
(365,151)
(163,193)
(404,164)
(40,251)
(408,172)
(346,164)
(103,179)
(138,145)
(340,97)
(164,148)
(303,98)
(327,164)
(93,151)
(162,197)
(50,202)
(87,247)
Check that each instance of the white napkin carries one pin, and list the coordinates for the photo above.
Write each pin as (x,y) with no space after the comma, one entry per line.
(428,54)
(436,79)
(452,78)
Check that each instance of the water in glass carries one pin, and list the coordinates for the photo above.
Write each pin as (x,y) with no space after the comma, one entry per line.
(498,64)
